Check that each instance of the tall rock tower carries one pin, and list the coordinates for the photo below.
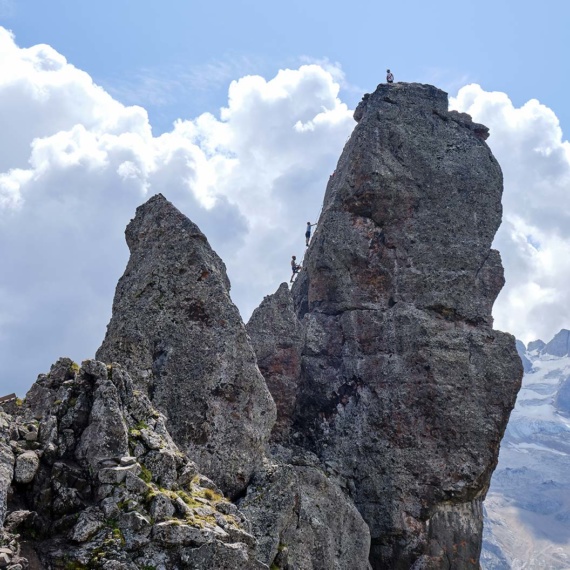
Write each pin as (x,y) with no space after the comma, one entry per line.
(177,332)
(401,386)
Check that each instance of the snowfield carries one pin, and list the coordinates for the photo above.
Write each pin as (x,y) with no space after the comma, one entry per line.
(527,509)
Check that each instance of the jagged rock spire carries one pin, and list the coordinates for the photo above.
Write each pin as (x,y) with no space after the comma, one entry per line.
(393,389)
(176,330)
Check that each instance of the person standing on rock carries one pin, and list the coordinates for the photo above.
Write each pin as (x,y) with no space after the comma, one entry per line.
(308,233)
(389,76)
(295,268)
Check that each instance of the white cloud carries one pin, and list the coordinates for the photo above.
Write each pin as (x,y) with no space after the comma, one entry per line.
(534,238)
(75,163)
(259,147)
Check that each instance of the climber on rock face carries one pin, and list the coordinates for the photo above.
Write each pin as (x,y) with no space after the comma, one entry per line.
(389,76)
(295,268)
(308,232)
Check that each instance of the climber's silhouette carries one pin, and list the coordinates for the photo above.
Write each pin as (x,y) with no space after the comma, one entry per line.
(294,268)
(308,233)
(389,76)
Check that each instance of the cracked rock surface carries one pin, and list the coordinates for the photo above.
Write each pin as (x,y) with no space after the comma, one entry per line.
(303,520)
(92,492)
(177,332)
(403,387)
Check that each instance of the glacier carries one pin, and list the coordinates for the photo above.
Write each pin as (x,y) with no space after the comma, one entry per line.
(527,509)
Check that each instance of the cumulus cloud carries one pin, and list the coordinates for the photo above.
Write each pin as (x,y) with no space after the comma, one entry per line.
(534,238)
(75,163)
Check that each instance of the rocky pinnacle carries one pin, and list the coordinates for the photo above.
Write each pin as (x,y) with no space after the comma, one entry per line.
(177,332)
(403,388)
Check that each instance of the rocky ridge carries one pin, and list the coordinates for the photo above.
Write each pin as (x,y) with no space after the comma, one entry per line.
(134,465)
(98,482)
(369,436)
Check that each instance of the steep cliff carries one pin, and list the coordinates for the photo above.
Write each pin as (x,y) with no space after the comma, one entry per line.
(404,389)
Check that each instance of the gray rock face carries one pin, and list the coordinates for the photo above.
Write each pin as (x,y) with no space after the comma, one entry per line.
(277,337)
(106,435)
(26,467)
(106,486)
(177,332)
(559,345)
(6,463)
(405,389)
(301,517)
(303,520)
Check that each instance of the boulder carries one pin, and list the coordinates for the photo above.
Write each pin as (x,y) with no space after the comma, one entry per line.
(303,520)
(27,465)
(89,522)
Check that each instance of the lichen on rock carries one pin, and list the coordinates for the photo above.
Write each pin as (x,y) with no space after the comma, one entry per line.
(89,500)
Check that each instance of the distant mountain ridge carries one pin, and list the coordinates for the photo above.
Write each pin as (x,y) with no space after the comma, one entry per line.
(559,345)
(527,510)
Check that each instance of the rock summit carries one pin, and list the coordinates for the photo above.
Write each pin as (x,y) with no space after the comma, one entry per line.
(402,387)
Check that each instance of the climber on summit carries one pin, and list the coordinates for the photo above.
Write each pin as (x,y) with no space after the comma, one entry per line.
(295,268)
(389,76)
(308,233)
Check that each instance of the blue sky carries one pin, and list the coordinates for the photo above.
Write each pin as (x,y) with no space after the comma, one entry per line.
(177,57)
(238,112)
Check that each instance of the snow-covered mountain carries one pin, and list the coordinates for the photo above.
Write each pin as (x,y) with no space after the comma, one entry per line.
(527,510)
